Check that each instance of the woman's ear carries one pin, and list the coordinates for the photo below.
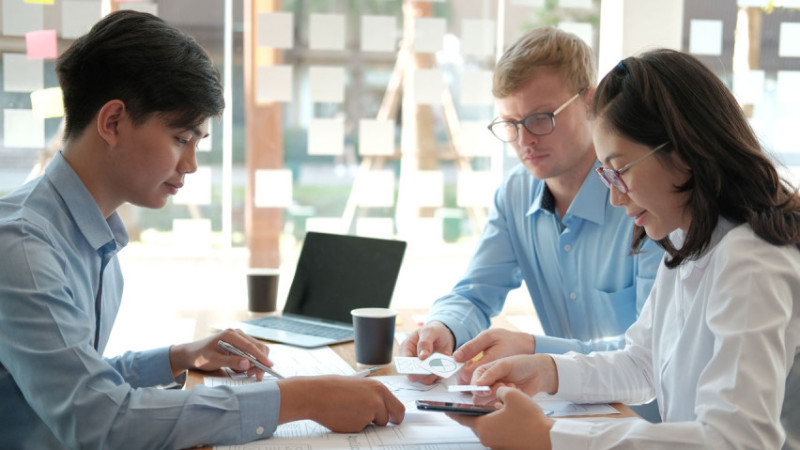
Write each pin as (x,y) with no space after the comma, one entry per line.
(108,120)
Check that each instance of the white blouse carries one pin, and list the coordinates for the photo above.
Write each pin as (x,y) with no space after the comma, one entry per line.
(717,343)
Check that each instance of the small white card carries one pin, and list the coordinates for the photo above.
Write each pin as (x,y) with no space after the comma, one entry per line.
(438,364)
(409,365)
(467,388)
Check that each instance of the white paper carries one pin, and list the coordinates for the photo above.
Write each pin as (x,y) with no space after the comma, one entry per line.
(428,86)
(427,188)
(376,189)
(21,74)
(326,32)
(276,29)
(327,84)
(376,227)
(192,237)
(581,29)
(274,84)
(532,3)
(789,40)
(748,86)
(376,137)
(574,3)
(478,37)
(753,3)
(429,34)
(78,16)
(475,189)
(326,137)
(150,8)
(196,188)
(476,88)
(705,37)
(787,91)
(20,17)
(22,129)
(273,188)
(474,139)
(378,34)
(326,225)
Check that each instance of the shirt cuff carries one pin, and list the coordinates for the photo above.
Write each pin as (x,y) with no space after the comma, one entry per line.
(458,330)
(571,433)
(570,378)
(259,415)
(551,344)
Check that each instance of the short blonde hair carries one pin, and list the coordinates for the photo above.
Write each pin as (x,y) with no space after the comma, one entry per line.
(545,48)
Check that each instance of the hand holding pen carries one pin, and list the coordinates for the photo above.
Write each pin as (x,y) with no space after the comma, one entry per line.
(239,352)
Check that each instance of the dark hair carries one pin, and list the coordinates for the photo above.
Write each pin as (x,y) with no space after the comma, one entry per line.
(668,96)
(149,65)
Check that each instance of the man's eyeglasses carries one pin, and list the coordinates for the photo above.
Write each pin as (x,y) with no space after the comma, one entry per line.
(539,124)
(613,177)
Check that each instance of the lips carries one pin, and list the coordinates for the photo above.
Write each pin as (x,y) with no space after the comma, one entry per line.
(638,219)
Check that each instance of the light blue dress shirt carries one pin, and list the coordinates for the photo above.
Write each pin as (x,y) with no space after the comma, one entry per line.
(57,390)
(585,285)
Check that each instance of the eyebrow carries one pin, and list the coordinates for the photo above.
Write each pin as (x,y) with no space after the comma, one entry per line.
(610,157)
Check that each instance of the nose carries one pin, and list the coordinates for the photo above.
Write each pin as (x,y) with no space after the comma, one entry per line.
(525,137)
(616,197)
(188,162)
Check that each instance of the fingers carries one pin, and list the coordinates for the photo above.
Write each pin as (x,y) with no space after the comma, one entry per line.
(409,346)
(472,348)
(463,419)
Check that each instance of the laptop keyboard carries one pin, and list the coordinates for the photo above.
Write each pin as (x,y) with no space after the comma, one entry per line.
(297,326)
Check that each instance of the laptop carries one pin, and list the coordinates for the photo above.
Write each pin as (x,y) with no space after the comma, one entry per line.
(335,274)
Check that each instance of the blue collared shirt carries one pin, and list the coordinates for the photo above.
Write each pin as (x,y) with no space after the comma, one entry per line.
(56,388)
(585,285)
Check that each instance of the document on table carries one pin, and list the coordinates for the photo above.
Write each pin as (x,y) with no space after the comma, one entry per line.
(433,430)
(289,362)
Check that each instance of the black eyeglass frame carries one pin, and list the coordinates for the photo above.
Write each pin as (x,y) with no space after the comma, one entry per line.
(612,177)
(538,116)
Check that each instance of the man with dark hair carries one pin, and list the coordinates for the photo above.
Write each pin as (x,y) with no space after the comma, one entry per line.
(138,96)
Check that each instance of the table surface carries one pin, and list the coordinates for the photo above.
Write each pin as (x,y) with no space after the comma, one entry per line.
(405,323)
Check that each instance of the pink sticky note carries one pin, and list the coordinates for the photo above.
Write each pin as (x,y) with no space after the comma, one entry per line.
(41,44)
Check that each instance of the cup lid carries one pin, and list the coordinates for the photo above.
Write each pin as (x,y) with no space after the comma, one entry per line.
(373,312)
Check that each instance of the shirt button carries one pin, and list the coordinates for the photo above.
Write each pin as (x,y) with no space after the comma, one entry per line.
(573,295)
(567,248)
(260,430)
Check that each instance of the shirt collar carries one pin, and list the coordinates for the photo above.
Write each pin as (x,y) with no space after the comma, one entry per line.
(106,235)
(590,203)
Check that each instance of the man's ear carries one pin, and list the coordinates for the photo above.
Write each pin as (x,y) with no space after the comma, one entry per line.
(588,97)
(108,120)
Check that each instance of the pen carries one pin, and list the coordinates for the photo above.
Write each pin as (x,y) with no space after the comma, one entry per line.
(365,372)
(252,358)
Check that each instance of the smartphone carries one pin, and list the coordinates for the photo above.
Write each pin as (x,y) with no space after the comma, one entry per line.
(457,408)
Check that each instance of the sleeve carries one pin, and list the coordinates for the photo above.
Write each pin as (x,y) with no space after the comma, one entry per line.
(492,272)
(149,368)
(740,391)
(79,396)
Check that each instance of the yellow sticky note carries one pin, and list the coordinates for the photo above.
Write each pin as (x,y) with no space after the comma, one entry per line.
(47,103)
(42,2)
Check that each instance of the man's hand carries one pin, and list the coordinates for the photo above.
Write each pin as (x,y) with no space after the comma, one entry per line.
(494,343)
(206,355)
(342,404)
(433,337)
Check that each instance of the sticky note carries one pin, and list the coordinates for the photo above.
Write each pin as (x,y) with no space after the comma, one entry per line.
(327,84)
(273,188)
(22,129)
(21,74)
(276,29)
(429,34)
(47,103)
(20,17)
(705,37)
(326,137)
(476,88)
(475,189)
(427,188)
(196,188)
(378,34)
(789,40)
(376,137)
(274,84)
(326,32)
(376,227)
(376,189)
(428,86)
(41,44)
(478,37)
(77,17)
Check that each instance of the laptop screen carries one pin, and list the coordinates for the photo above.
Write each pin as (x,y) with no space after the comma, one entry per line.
(337,273)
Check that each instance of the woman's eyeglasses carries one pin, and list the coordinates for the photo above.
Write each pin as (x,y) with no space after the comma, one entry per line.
(613,177)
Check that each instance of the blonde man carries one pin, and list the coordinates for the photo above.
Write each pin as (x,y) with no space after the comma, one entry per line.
(551,224)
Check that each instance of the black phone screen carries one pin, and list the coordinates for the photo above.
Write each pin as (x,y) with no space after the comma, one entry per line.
(457,408)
